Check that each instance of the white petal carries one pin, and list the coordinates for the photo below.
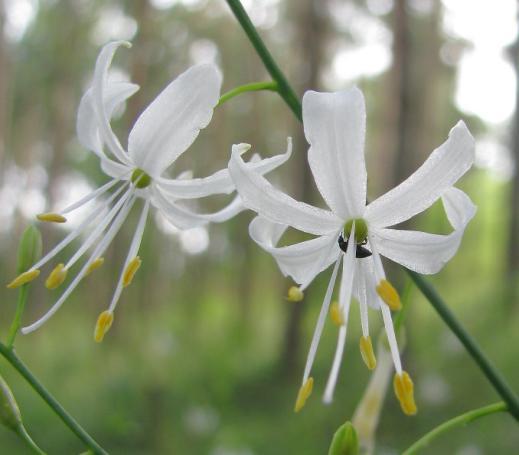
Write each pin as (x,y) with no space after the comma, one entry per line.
(440,171)
(302,261)
(100,88)
(115,170)
(219,182)
(423,252)
(335,128)
(87,125)
(171,123)
(259,195)
(183,218)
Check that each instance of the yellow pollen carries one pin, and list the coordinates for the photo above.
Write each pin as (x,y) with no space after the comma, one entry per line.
(131,270)
(24,278)
(56,277)
(295,294)
(403,386)
(389,295)
(94,265)
(366,350)
(51,217)
(336,314)
(104,322)
(304,392)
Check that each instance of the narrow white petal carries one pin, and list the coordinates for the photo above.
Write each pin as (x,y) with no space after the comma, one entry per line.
(93,216)
(302,261)
(171,123)
(320,321)
(116,170)
(440,171)
(132,252)
(335,128)
(219,182)
(99,88)
(423,252)
(98,251)
(259,195)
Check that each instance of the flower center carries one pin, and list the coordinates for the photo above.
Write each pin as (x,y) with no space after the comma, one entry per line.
(140,179)
(361,229)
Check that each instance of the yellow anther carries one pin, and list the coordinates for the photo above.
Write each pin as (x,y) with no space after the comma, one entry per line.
(304,392)
(56,277)
(366,350)
(403,386)
(51,217)
(336,314)
(104,322)
(94,265)
(131,270)
(389,295)
(24,278)
(295,294)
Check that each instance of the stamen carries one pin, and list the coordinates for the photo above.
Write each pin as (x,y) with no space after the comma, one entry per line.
(104,322)
(295,294)
(131,270)
(23,278)
(366,350)
(94,265)
(389,295)
(304,392)
(404,391)
(51,217)
(336,314)
(56,277)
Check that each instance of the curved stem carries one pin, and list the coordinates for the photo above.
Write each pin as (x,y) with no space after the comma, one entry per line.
(253,87)
(22,432)
(20,306)
(460,420)
(488,369)
(500,385)
(19,366)
(284,88)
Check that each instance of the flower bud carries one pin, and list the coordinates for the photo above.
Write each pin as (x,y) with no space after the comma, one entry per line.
(9,412)
(29,249)
(345,441)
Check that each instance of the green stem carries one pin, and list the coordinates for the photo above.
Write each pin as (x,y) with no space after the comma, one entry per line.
(428,291)
(22,432)
(17,321)
(253,87)
(284,88)
(463,419)
(18,365)
(489,370)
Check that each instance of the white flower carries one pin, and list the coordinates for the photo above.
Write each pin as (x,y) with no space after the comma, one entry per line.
(352,230)
(167,127)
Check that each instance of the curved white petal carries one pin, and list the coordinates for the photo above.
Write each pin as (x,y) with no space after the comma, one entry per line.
(114,169)
(301,261)
(171,123)
(220,182)
(100,88)
(259,195)
(423,252)
(335,128)
(440,171)
(87,125)
(183,218)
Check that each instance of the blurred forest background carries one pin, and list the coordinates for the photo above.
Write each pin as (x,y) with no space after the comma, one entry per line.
(205,355)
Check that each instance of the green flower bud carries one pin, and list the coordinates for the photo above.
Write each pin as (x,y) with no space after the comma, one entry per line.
(29,250)
(345,441)
(9,412)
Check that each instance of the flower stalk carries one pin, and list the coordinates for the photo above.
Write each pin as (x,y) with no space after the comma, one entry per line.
(288,95)
(252,87)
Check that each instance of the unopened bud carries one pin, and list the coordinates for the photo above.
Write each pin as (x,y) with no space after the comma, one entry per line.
(345,441)
(29,249)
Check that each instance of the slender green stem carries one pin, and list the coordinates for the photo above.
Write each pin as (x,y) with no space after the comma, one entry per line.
(460,420)
(253,87)
(18,365)
(22,432)
(20,306)
(284,88)
(428,291)
(488,369)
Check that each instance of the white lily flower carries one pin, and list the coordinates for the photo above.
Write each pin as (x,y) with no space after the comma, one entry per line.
(167,127)
(353,231)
